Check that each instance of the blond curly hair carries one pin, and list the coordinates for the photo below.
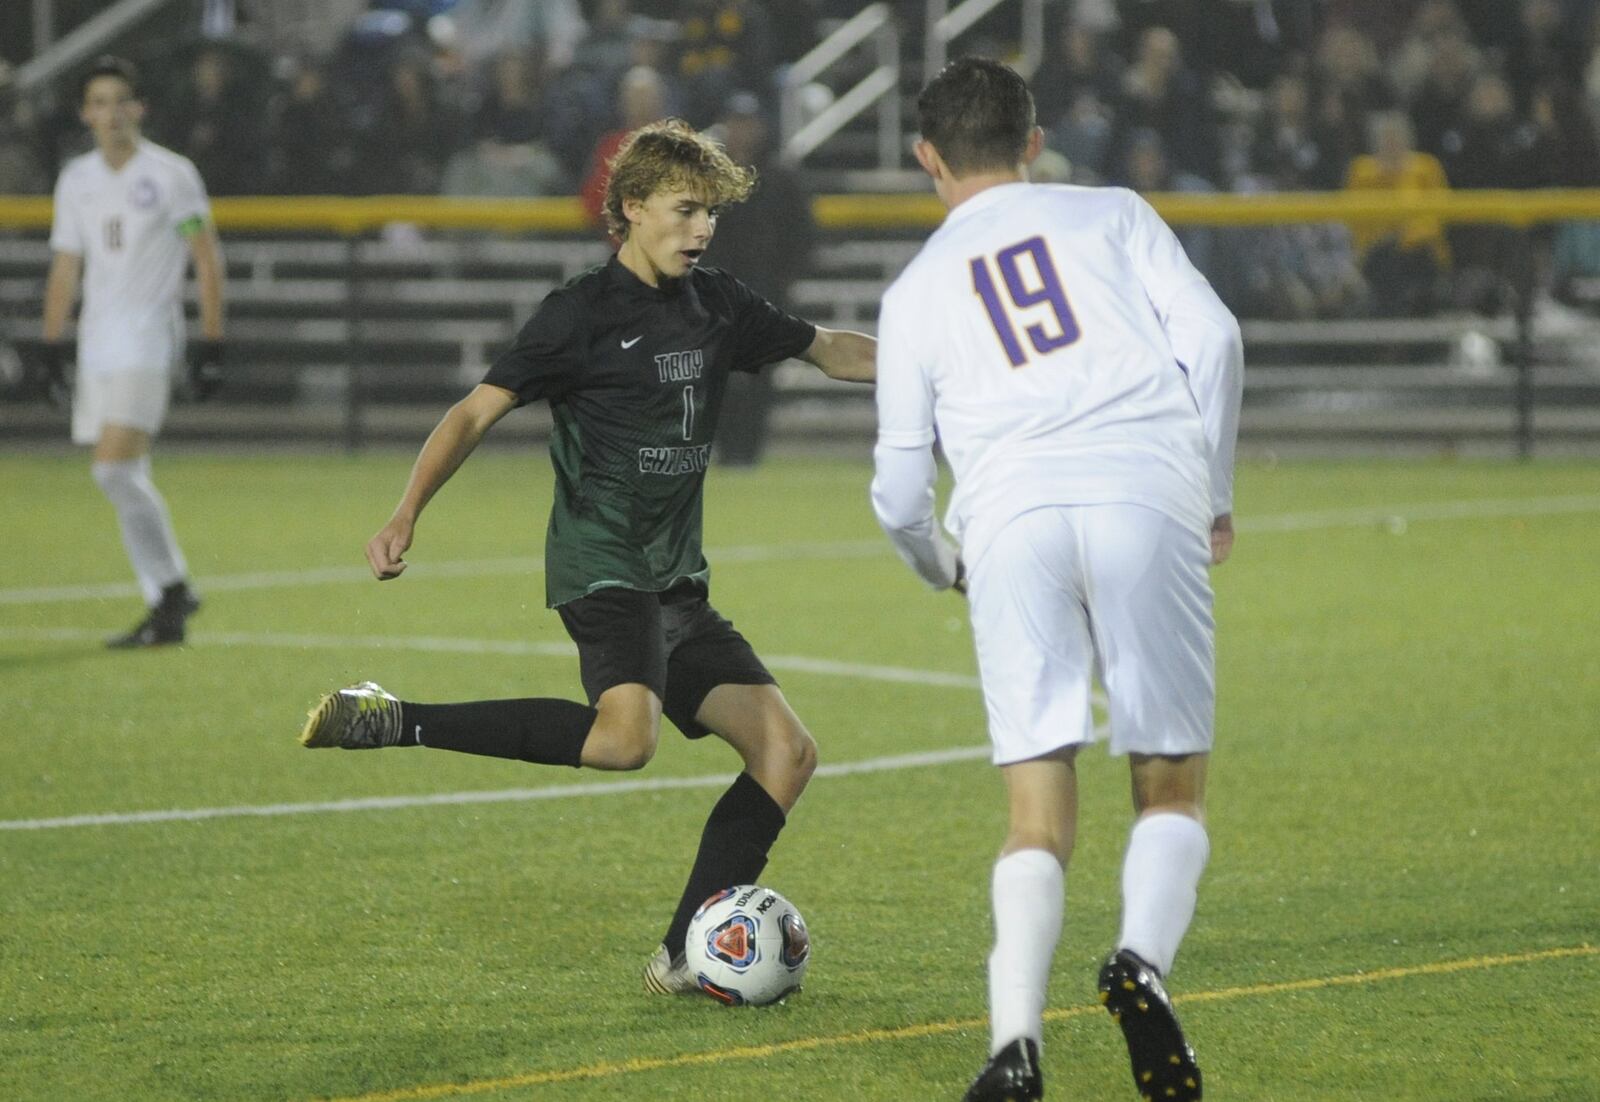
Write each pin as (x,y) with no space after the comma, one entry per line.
(671,155)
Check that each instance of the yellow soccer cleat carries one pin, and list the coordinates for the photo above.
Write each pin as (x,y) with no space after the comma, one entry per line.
(664,976)
(362,717)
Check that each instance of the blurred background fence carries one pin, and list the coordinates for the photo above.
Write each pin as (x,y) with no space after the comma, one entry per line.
(355,321)
(1391,194)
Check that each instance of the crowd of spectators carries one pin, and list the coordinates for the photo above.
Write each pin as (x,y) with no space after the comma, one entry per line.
(529,97)
(467,97)
(1318,95)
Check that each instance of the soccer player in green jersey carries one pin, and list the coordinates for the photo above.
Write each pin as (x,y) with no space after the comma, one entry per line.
(633,357)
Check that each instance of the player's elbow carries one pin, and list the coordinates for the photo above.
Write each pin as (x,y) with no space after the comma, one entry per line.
(898,515)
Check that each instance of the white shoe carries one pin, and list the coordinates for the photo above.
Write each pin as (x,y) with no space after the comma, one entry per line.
(664,976)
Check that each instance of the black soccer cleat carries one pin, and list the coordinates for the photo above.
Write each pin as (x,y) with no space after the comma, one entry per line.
(1011,1075)
(165,622)
(1164,1066)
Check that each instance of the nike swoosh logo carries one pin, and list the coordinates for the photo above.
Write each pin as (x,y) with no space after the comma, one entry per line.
(636,340)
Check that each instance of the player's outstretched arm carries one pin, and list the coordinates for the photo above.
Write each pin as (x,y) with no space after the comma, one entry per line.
(447,447)
(844,355)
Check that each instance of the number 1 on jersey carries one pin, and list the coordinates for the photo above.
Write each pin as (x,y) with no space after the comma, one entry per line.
(1022,297)
(688,413)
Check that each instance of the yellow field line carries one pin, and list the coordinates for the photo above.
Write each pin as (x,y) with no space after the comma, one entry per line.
(613,1069)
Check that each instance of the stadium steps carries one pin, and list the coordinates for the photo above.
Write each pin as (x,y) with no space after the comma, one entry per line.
(431,315)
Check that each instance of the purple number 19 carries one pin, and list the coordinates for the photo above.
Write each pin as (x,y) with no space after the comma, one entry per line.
(1023,297)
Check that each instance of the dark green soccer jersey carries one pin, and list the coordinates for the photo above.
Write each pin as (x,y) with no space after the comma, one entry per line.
(634,376)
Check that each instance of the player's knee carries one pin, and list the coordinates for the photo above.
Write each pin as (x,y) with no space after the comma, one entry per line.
(635,750)
(787,746)
(112,478)
(787,754)
(622,747)
(801,749)
(124,482)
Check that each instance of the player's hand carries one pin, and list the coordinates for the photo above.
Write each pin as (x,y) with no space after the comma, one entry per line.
(52,361)
(1221,538)
(205,368)
(384,549)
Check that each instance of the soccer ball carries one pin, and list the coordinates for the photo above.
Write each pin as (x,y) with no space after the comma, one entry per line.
(747,946)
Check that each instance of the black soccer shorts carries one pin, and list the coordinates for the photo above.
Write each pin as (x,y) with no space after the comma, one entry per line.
(674,642)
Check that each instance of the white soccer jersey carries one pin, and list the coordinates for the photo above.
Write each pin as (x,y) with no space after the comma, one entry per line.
(125,225)
(1067,353)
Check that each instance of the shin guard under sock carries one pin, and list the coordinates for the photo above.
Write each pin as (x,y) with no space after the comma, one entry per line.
(543,730)
(733,850)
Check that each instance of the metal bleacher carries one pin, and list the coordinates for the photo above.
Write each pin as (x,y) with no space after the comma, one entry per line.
(317,357)
(421,321)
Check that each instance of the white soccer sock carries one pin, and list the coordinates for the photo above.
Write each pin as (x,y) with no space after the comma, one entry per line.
(1028,902)
(146,528)
(1166,854)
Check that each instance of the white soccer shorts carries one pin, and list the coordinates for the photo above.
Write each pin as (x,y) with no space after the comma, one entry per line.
(134,399)
(1063,593)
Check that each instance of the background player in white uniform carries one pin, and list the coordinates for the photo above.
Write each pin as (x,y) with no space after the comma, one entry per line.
(128,214)
(1084,381)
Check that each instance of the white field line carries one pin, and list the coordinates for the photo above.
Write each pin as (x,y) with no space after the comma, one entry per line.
(1363,516)
(1287,522)
(931,678)
(451,645)
(857,549)
(505,795)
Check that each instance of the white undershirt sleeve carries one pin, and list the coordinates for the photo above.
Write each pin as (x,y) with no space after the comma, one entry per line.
(905,472)
(1204,336)
(902,497)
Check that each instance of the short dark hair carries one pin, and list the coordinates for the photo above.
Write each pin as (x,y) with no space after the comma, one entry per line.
(108,66)
(978,114)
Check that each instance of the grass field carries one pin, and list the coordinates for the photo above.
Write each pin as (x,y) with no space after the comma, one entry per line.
(1403,900)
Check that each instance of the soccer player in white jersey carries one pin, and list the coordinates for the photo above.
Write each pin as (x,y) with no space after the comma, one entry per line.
(1084,382)
(128,215)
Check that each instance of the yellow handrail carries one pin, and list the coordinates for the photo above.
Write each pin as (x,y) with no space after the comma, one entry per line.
(346,215)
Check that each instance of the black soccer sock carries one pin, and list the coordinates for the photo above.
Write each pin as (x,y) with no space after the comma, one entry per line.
(733,850)
(542,730)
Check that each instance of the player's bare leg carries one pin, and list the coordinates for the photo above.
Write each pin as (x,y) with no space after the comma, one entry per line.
(1167,851)
(119,443)
(1175,784)
(778,752)
(1028,893)
(626,729)
(1043,797)
(779,757)
(121,467)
